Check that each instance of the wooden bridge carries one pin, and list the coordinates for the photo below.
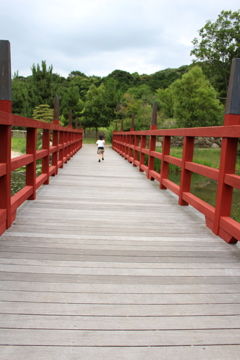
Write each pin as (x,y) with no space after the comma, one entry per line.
(104,265)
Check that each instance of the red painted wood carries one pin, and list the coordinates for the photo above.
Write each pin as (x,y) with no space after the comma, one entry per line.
(152,147)
(202,170)
(232,180)
(199,204)
(19,198)
(168,184)
(224,191)
(227,179)
(5,179)
(173,160)
(185,182)
(31,168)
(6,106)
(3,169)
(21,161)
(142,156)
(46,158)
(164,165)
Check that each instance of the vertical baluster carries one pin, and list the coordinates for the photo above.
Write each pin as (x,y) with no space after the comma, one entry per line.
(31,168)
(6,217)
(165,164)
(46,159)
(228,155)
(185,182)
(55,135)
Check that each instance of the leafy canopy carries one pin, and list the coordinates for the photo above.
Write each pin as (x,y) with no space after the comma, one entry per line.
(195,100)
(218,44)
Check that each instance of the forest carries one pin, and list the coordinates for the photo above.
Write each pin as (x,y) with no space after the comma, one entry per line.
(191,95)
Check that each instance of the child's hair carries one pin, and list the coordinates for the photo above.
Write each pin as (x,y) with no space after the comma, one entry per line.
(100,137)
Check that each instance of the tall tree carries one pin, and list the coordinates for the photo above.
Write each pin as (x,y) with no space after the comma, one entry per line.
(96,111)
(218,44)
(21,99)
(195,100)
(43,86)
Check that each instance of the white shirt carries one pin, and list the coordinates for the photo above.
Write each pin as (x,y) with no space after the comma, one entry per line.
(100,143)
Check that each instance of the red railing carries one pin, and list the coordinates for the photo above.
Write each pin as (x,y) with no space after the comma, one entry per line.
(132,145)
(65,143)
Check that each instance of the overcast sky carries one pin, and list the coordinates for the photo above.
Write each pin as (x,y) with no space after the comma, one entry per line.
(97,37)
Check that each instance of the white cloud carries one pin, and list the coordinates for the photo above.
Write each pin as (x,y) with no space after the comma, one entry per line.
(99,36)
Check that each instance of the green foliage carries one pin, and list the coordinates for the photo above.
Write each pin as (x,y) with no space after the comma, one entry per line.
(165,97)
(96,111)
(218,44)
(43,113)
(20,93)
(164,78)
(195,101)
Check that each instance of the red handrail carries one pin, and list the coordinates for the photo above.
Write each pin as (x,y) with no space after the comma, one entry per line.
(218,217)
(132,146)
(66,142)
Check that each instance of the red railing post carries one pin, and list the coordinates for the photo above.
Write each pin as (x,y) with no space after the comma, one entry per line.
(55,135)
(31,168)
(131,141)
(164,164)
(228,155)
(142,155)
(46,159)
(185,181)
(5,137)
(152,144)
(61,149)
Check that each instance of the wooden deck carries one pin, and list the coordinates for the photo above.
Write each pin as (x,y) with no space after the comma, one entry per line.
(104,265)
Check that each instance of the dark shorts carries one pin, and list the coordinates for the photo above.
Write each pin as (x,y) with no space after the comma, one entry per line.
(100,150)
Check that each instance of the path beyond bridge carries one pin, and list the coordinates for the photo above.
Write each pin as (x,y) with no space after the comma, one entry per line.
(105,265)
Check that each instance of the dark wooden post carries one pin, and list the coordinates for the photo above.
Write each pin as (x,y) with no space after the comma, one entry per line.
(56,135)
(5,137)
(228,154)
(152,144)
(5,77)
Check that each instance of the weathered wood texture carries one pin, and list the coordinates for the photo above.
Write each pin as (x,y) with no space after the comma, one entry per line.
(105,265)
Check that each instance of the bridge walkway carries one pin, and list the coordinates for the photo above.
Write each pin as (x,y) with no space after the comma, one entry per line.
(104,265)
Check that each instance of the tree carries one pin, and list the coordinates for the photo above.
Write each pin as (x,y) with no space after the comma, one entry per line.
(43,113)
(219,43)
(96,112)
(20,92)
(195,100)
(70,100)
(165,96)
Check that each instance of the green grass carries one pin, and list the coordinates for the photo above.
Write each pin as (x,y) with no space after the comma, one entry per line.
(19,145)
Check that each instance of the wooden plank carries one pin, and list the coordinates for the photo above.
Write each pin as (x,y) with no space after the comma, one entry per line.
(98,267)
(118,338)
(135,323)
(119,353)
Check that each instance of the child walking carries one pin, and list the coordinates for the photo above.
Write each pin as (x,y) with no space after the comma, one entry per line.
(100,151)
